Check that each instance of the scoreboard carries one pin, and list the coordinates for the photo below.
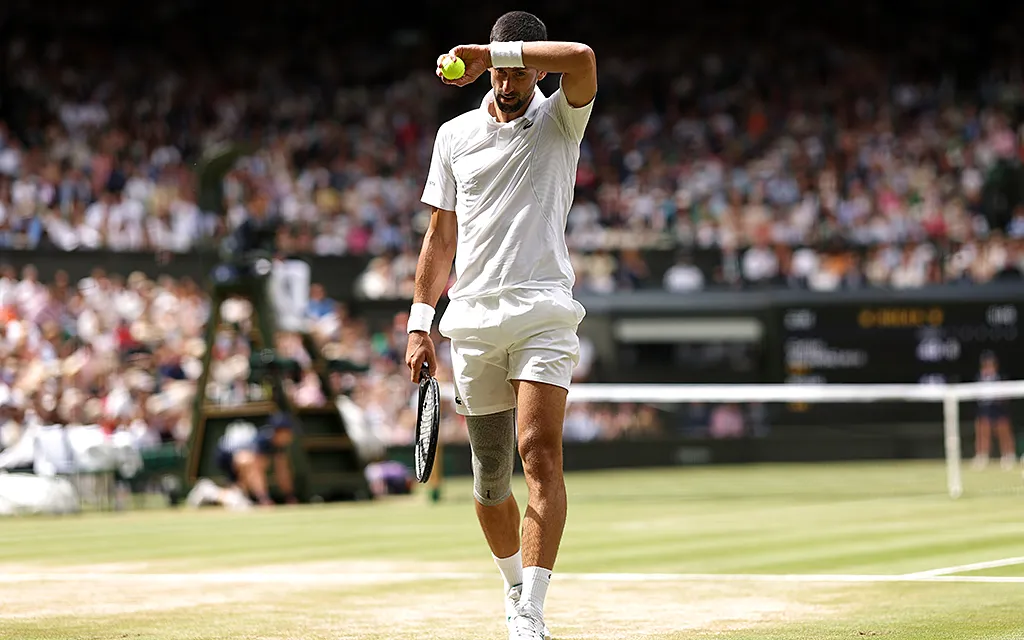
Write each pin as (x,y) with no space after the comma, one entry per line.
(872,343)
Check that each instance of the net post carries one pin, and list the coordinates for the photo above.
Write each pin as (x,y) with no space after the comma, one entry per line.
(951,431)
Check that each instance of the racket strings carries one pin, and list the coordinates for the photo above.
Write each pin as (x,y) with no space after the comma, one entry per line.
(424,428)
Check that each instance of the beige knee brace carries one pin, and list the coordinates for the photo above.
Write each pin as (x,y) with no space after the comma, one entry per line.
(493,441)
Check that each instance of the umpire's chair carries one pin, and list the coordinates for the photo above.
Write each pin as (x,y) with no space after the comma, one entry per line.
(325,462)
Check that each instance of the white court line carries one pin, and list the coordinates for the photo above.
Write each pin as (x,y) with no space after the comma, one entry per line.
(240,577)
(975,566)
(769,577)
(320,579)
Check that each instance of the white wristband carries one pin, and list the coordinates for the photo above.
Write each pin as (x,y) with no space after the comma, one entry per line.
(507,54)
(421,316)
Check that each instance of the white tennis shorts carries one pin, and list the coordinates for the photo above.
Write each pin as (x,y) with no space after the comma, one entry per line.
(521,335)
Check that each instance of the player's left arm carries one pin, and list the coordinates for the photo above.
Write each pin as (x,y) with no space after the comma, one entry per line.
(575,61)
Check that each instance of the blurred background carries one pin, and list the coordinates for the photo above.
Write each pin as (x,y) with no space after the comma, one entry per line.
(767,193)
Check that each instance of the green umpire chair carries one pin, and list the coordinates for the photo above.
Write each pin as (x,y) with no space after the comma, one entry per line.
(324,459)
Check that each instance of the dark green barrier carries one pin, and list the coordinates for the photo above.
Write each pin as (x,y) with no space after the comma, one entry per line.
(873,442)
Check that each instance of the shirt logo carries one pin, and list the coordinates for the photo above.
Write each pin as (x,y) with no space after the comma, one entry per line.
(458,400)
(527,125)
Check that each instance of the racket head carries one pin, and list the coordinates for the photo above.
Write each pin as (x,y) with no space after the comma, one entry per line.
(428,416)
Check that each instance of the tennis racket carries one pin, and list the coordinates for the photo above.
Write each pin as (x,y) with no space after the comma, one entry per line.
(427,421)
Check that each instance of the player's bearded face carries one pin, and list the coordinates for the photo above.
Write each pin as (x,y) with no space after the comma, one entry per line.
(513,87)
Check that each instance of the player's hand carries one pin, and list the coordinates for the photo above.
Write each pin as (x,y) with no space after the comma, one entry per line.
(477,59)
(421,349)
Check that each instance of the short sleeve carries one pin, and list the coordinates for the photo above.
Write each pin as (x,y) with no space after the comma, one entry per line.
(573,119)
(440,189)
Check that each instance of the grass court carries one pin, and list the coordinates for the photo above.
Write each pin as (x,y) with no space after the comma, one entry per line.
(733,553)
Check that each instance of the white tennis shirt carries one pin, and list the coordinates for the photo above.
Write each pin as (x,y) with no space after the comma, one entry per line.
(510,186)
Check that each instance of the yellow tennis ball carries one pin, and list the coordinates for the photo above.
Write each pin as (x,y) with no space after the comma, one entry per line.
(453,68)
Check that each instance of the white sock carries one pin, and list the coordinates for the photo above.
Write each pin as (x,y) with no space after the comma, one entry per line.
(535,587)
(511,569)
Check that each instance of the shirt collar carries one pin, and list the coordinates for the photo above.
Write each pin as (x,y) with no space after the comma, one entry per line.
(538,97)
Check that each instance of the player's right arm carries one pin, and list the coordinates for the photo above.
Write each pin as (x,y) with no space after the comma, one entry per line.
(436,255)
(432,270)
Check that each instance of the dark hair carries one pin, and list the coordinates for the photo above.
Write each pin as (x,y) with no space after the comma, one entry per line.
(518,25)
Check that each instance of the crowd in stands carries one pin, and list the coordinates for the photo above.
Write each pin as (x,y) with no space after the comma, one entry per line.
(122,353)
(125,354)
(826,172)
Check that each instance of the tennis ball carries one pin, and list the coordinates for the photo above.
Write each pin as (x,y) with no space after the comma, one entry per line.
(453,67)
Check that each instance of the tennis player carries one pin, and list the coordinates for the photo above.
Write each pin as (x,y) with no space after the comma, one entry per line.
(993,414)
(500,184)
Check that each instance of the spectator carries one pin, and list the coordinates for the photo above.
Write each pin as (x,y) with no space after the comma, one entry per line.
(377,281)
(633,272)
(911,273)
(10,421)
(580,425)
(726,421)
(683,276)
(760,265)
(853,275)
(319,304)
(309,392)
(1016,227)
(803,268)
(599,272)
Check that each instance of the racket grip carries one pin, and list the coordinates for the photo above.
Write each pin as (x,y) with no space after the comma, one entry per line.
(424,369)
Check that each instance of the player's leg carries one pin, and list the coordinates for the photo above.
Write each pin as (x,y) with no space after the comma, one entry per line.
(500,523)
(492,440)
(485,397)
(541,410)
(1007,445)
(540,367)
(982,440)
(541,413)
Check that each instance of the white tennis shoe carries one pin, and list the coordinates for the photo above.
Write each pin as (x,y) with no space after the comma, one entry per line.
(523,625)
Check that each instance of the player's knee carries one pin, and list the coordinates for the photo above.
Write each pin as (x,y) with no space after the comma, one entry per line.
(542,458)
(492,479)
(492,439)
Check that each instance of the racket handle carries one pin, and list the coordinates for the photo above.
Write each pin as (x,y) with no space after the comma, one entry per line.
(424,370)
